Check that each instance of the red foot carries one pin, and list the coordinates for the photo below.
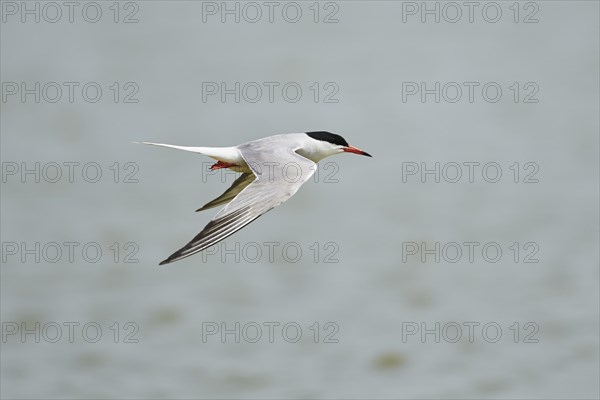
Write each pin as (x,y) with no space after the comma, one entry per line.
(222,164)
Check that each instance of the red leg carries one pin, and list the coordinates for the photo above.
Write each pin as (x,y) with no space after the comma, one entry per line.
(222,164)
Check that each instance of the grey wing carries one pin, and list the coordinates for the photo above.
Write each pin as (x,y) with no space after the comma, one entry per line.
(270,189)
(240,183)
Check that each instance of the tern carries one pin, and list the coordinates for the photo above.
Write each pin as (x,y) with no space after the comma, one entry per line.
(263,183)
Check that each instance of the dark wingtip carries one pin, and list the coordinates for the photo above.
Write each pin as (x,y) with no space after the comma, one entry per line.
(207,205)
(173,257)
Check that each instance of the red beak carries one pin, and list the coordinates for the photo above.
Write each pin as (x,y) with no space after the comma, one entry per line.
(354,150)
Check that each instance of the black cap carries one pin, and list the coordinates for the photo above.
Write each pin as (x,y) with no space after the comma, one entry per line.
(328,137)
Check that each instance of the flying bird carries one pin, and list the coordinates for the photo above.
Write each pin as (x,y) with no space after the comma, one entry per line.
(263,183)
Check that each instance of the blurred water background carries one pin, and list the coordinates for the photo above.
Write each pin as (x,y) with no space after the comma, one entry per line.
(376,292)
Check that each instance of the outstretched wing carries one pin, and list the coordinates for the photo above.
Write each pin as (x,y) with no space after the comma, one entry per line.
(240,183)
(275,183)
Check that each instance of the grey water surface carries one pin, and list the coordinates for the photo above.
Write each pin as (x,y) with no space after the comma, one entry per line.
(461,261)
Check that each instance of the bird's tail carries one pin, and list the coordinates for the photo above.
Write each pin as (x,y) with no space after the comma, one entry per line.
(172,146)
(225,154)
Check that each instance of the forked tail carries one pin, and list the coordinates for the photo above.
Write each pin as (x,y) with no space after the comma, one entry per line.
(225,154)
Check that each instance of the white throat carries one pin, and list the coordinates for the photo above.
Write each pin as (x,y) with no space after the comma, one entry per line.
(316,150)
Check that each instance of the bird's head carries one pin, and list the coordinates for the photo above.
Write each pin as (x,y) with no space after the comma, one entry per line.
(324,144)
